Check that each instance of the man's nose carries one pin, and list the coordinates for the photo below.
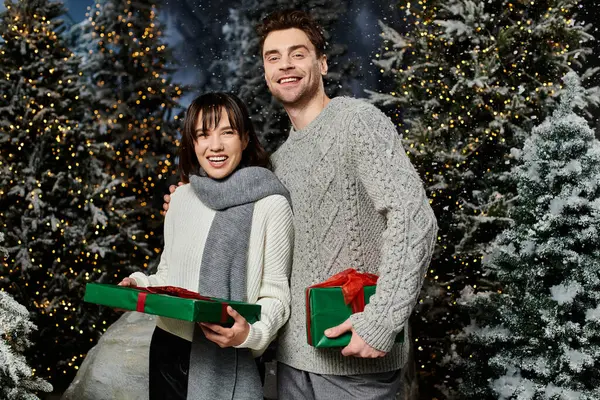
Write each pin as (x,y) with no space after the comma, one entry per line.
(286,63)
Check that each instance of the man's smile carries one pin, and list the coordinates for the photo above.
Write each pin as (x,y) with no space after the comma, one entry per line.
(288,80)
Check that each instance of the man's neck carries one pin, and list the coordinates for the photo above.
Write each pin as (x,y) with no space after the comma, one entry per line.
(303,114)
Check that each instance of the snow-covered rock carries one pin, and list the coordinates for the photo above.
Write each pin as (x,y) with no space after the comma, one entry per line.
(117,367)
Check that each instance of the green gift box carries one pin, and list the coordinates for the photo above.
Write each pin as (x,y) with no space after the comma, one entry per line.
(169,301)
(326,307)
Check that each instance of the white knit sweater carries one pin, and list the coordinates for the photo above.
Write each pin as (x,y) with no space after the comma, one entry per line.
(269,261)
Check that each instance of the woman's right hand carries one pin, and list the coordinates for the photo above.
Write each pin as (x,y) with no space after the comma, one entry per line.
(128,282)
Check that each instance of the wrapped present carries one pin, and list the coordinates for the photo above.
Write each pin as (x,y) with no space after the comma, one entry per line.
(169,301)
(330,303)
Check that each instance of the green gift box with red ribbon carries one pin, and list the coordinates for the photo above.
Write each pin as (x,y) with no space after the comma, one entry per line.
(332,302)
(169,301)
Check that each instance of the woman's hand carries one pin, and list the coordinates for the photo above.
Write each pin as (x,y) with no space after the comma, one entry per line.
(128,282)
(227,337)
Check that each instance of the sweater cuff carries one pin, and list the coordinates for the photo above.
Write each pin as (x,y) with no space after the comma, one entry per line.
(141,279)
(252,340)
(379,337)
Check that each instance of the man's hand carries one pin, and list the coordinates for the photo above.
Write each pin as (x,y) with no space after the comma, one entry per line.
(357,346)
(167,197)
(227,337)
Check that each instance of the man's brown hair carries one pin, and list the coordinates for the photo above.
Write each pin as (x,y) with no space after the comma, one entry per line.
(287,19)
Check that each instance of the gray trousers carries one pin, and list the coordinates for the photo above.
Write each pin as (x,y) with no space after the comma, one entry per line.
(293,384)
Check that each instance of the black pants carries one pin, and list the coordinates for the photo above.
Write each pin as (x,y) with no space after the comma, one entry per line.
(170,364)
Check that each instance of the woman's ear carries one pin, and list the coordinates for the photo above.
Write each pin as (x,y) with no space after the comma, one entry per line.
(245,141)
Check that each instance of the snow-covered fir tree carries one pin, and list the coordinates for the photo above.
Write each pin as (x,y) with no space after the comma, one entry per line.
(58,207)
(590,13)
(134,102)
(539,337)
(471,79)
(241,71)
(78,38)
(17,380)
(3,250)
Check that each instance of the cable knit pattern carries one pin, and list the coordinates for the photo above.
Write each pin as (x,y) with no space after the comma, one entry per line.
(358,202)
(269,259)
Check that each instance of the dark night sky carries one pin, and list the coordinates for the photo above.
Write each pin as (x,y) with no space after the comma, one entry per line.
(194,29)
(194,33)
(77,8)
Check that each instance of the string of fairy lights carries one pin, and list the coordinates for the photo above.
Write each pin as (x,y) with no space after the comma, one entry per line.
(40,120)
(138,163)
(137,148)
(463,99)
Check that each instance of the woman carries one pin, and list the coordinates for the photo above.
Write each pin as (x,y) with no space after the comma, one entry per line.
(228,234)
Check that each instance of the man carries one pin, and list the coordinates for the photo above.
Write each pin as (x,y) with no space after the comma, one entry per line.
(359,203)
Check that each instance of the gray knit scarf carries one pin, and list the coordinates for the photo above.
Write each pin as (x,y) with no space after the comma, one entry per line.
(230,373)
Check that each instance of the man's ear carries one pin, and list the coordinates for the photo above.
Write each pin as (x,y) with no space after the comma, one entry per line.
(323,64)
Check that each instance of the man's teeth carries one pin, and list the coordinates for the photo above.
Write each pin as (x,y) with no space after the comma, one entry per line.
(289,80)
(217,159)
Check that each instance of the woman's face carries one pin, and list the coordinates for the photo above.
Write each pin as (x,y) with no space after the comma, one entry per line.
(219,149)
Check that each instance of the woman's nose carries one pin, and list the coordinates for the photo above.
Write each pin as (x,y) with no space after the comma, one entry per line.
(216,143)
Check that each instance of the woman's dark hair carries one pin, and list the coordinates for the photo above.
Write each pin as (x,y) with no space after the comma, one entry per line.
(209,105)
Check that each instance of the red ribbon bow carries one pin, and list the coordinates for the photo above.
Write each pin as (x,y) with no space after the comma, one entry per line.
(177,292)
(352,283)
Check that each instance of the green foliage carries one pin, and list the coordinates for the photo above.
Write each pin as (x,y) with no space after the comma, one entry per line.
(470,81)
(55,197)
(76,182)
(16,378)
(540,337)
(135,107)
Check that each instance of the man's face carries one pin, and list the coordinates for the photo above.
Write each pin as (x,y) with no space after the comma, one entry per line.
(292,69)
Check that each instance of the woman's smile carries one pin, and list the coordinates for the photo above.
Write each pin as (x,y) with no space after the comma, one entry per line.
(217,161)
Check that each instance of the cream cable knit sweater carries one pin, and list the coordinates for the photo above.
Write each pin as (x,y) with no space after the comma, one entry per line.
(358,202)
(269,259)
